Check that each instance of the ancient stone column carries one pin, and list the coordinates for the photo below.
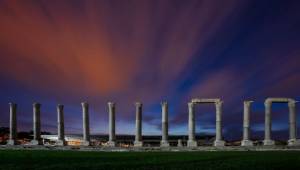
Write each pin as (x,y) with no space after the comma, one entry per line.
(12,124)
(60,126)
(138,125)
(191,142)
(36,125)
(112,128)
(219,139)
(165,127)
(246,124)
(86,124)
(293,141)
(268,125)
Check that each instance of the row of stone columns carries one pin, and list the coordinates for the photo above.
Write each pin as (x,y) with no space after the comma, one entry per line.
(164,142)
(192,126)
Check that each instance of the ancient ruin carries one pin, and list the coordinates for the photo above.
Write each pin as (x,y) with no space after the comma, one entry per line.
(164,143)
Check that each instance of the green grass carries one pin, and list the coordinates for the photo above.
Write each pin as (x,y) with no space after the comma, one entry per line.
(25,159)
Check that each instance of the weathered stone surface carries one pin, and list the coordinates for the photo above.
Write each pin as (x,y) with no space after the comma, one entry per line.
(205,100)
(247,143)
(86,124)
(192,143)
(60,126)
(165,125)
(12,124)
(138,125)
(219,143)
(246,124)
(112,127)
(36,125)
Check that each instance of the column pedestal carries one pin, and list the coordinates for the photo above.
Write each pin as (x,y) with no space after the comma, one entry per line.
(11,142)
(164,143)
(138,144)
(85,143)
(293,142)
(247,143)
(60,143)
(219,143)
(269,142)
(111,143)
(192,143)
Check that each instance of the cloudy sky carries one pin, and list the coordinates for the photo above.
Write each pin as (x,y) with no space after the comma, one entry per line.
(69,51)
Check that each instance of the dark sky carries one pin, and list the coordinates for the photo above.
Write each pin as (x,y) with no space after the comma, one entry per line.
(69,51)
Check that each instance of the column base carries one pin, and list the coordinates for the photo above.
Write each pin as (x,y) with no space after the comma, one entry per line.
(11,142)
(247,143)
(138,144)
(36,142)
(192,143)
(293,142)
(268,142)
(85,143)
(179,143)
(164,143)
(111,143)
(61,143)
(219,143)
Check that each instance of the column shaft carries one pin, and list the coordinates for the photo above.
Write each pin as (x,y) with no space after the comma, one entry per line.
(60,125)
(86,124)
(165,124)
(112,128)
(292,121)
(219,121)
(246,122)
(138,124)
(192,127)
(246,125)
(191,122)
(36,124)
(12,124)
(268,123)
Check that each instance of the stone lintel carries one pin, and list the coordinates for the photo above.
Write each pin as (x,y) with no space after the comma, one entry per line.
(216,100)
(279,100)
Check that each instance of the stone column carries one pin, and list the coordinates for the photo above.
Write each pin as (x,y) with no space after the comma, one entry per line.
(12,124)
(60,126)
(138,125)
(36,125)
(268,125)
(165,126)
(246,125)
(86,124)
(219,139)
(112,128)
(191,142)
(293,141)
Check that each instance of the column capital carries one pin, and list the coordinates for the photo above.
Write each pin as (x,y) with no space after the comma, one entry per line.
(248,102)
(292,103)
(12,104)
(38,105)
(84,104)
(268,103)
(111,104)
(60,106)
(219,103)
(191,104)
(163,103)
(138,104)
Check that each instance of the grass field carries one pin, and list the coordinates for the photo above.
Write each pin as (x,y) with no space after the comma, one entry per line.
(25,159)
